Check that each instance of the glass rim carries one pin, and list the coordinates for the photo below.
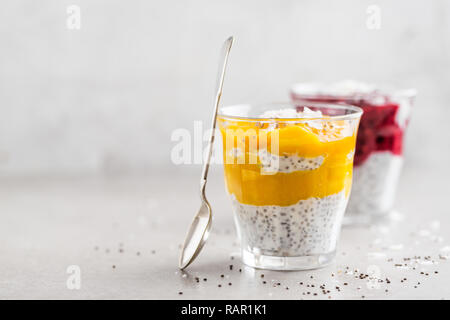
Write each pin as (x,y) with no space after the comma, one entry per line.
(409,93)
(355,114)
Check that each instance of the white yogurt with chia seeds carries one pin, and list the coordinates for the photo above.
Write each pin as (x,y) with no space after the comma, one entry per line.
(271,163)
(309,227)
(376,180)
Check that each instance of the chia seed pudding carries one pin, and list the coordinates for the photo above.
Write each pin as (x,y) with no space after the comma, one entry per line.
(379,147)
(287,164)
(309,227)
(374,184)
(288,206)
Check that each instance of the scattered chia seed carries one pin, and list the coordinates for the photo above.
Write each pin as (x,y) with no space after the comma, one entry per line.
(180,293)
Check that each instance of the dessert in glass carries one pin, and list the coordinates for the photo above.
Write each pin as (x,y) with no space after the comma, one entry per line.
(288,171)
(379,147)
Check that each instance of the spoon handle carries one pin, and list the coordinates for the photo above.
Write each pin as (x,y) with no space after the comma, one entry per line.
(221,75)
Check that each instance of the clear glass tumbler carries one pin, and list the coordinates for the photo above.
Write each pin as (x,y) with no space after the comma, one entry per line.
(288,171)
(379,147)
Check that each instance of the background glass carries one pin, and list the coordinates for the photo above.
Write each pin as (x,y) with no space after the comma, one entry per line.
(379,148)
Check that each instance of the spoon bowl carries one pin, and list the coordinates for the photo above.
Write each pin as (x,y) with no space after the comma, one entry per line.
(197,235)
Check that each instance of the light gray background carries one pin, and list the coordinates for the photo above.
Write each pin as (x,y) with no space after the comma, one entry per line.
(106,98)
(86,118)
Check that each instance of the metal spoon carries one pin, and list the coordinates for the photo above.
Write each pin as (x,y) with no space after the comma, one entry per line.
(199,230)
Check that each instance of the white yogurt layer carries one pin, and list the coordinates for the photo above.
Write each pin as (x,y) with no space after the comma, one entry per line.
(308,227)
(374,184)
(271,163)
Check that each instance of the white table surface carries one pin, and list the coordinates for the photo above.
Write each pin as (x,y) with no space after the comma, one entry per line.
(136,224)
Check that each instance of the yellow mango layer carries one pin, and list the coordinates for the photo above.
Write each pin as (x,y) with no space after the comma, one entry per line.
(251,186)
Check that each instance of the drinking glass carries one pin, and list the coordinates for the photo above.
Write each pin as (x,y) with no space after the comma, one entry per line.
(288,172)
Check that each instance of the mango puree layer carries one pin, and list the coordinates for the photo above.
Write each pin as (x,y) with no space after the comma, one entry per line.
(250,185)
